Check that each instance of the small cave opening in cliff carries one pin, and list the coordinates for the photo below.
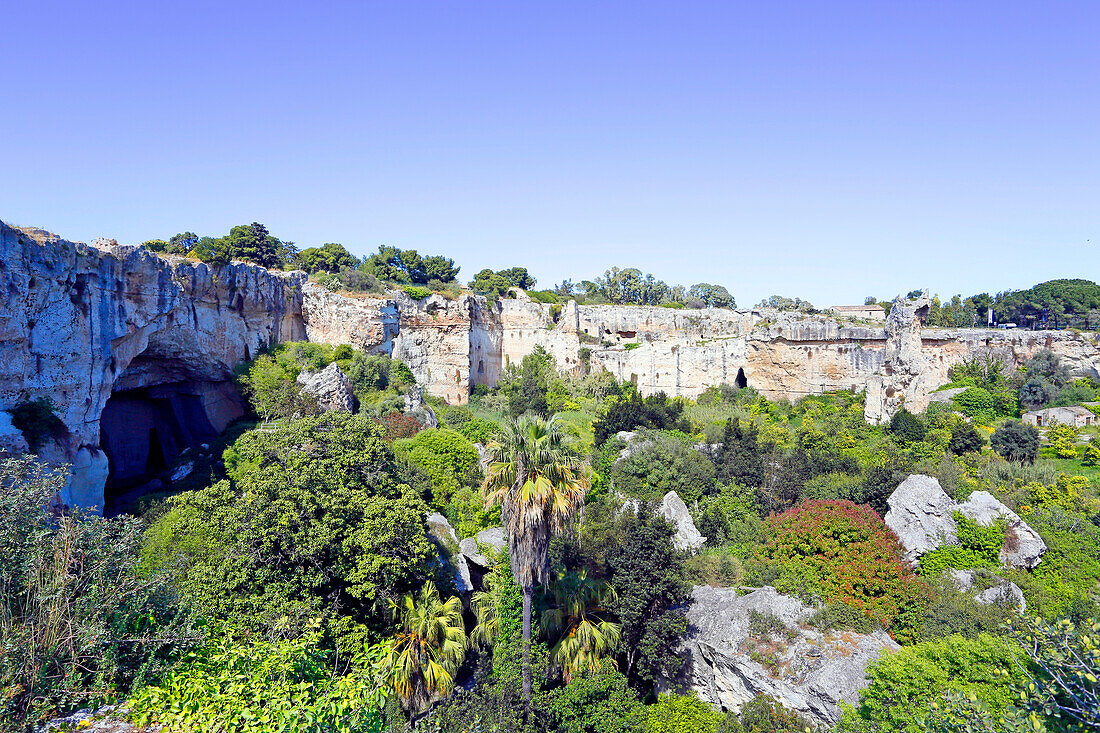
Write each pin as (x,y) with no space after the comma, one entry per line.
(146,430)
(741,380)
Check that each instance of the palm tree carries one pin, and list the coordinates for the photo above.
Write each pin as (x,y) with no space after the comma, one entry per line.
(540,487)
(427,651)
(574,618)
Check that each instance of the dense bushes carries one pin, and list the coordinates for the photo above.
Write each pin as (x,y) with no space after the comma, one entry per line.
(248,684)
(79,622)
(657,411)
(1016,441)
(445,455)
(311,523)
(36,420)
(904,684)
(844,553)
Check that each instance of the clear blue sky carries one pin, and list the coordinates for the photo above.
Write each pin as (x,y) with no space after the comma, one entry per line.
(829,150)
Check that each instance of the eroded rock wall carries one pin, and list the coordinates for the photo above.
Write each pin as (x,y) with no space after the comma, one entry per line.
(79,321)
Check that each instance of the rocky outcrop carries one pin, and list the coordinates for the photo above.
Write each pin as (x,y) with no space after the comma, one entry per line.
(1023,546)
(330,387)
(674,509)
(807,671)
(921,514)
(998,591)
(450,553)
(78,322)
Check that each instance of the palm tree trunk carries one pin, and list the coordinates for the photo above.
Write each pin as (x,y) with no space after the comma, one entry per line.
(528,591)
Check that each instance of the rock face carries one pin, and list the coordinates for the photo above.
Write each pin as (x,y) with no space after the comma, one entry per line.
(921,514)
(1001,591)
(331,387)
(450,553)
(80,323)
(810,673)
(674,509)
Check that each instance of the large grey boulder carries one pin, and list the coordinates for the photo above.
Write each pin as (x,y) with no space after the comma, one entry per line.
(331,387)
(674,509)
(919,513)
(450,553)
(811,672)
(1023,546)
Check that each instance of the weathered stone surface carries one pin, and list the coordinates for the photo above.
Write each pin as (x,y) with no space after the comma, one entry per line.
(813,674)
(674,509)
(495,537)
(78,322)
(473,554)
(450,553)
(1023,546)
(1002,591)
(331,387)
(919,513)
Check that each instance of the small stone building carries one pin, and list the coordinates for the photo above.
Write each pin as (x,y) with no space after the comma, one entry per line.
(870,312)
(1078,417)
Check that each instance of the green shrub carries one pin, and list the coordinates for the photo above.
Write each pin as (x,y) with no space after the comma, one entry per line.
(979,547)
(1016,441)
(36,420)
(79,622)
(834,616)
(907,426)
(599,702)
(237,682)
(445,455)
(416,292)
(903,684)
(762,714)
(680,714)
(311,523)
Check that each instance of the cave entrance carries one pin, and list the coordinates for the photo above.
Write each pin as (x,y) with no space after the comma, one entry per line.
(741,381)
(145,430)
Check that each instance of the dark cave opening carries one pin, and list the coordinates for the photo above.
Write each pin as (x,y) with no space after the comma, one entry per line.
(145,430)
(741,381)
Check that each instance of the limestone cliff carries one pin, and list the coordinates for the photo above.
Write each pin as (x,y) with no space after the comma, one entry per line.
(84,324)
(78,322)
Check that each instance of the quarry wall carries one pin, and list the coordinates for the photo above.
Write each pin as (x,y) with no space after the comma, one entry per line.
(80,323)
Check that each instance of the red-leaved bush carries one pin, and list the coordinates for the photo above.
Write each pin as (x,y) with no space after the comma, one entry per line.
(853,557)
(399,425)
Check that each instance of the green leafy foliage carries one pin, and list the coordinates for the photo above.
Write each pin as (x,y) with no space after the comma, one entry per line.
(680,714)
(36,420)
(657,411)
(979,546)
(445,455)
(331,257)
(238,682)
(312,523)
(651,592)
(79,622)
(907,427)
(599,702)
(1016,441)
(903,684)
(663,463)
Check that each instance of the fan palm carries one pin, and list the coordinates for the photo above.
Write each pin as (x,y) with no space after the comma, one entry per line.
(427,651)
(540,487)
(584,638)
